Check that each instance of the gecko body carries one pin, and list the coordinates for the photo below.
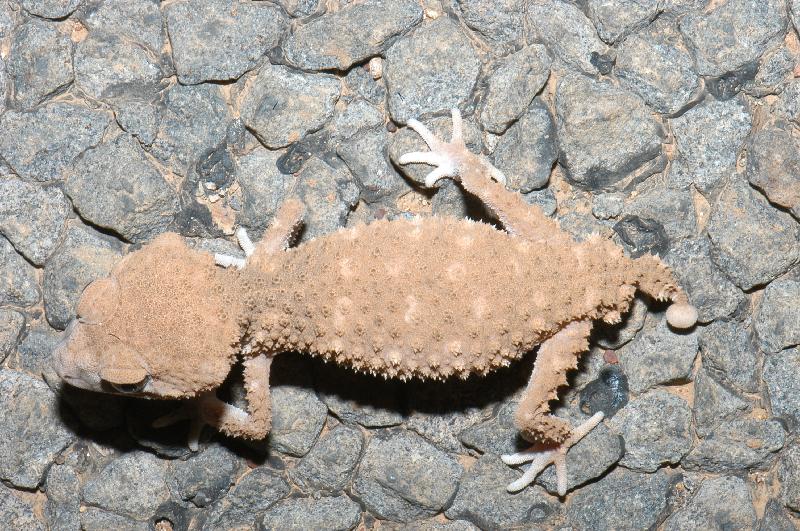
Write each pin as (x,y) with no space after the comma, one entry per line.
(427,298)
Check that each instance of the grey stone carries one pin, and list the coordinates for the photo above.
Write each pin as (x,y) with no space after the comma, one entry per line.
(589,459)
(297,419)
(11,323)
(495,436)
(751,242)
(114,185)
(132,485)
(656,430)
(32,217)
(137,19)
(773,166)
(93,519)
(709,137)
(62,506)
(328,193)
(359,115)
(605,133)
(50,8)
(34,351)
(789,477)
(205,477)
(18,284)
(15,513)
(512,86)
(220,39)
(85,256)
(402,477)
(496,21)
(709,290)
(734,34)
(55,134)
(141,119)
(351,397)
(780,375)
(482,498)
(774,70)
(545,199)
(787,105)
(330,464)
(253,495)
(281,105)
(195,119)
(109,65)
(366,155)
(729,352)
(298,514)
(776,518)
(737,445)
(615,19)
(673,208)
(433,70)
(340,39)
(714,403)
(527,151)
(264,187)
(406,140)
(361,82)
(658,355)
(39,62)
(622,500)
(299,8)
(9,17)
(565,31)
(704,510)
(29,448)
(777,319)
(655,65)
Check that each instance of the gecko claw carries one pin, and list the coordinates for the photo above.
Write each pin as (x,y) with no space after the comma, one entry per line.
(541,459)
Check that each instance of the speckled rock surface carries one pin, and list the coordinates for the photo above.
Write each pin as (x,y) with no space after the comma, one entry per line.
(667,126)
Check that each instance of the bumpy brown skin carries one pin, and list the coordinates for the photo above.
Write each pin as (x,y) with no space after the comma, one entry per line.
(427,298)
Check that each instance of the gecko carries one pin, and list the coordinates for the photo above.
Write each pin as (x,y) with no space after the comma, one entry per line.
(428,298)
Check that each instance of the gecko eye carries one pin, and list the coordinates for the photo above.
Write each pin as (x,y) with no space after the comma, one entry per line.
(137,387)
(98,301)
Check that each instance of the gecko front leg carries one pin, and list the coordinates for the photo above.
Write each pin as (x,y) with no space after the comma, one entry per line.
(252,423)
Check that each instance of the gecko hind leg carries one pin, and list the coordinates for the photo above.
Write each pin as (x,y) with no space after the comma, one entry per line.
(207,409)
(556,356)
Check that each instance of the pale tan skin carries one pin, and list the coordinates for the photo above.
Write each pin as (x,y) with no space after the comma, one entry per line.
(426,298)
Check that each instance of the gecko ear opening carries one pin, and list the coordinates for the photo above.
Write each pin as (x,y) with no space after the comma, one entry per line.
(99,301)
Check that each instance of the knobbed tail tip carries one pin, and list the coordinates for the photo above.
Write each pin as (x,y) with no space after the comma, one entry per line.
(681,315)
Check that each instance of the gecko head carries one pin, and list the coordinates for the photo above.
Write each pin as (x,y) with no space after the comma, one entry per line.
(158,326)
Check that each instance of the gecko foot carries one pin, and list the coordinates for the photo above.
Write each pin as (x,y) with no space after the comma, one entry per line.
(557,456)
(226,260)
(448,157)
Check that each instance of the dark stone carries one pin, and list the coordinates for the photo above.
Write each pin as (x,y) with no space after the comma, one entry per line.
(299,514)
(402,477)
(55,134)
(204,477)
(32,218)
(729,351)
(28,448)
(341,38)
(431,71)
(704,510)
(482,498)
(606,135)
(114,186)
(642,236)
(751,242)
(621,500)
(608,393)
(330,464)
(280,106)
(730,84)
(253,495)
(39,63)
(220,39)
(264,187)
(714,403)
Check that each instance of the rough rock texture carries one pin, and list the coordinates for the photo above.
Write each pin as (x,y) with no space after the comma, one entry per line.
(18,286)
(32,218)
(39,62)
(774,167)
(780,375)
(704,510)
(777,319)
(335,513)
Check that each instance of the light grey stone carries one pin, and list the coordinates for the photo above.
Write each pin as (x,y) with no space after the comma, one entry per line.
(220,39)
(773,166)
(777,319)
(673,208)
(297,419)
(34,351)
(789,477)
(50,8)
(737,445)
(431,71)
(605,134)
(29,447)
(55,134)
(496,21)
(11,324)
(774,71)
(730,354)
(338,513)
(339,39)
(137,19)
(281,105)
(39,62)
(704,510)
(329,193)
(18,284)
(93,519)
(751,242)
(62,508)
(615,19)
(708,139)
(783,386)
(714,403)
(15,513)
(114,185)
(366,155)
(32,217)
